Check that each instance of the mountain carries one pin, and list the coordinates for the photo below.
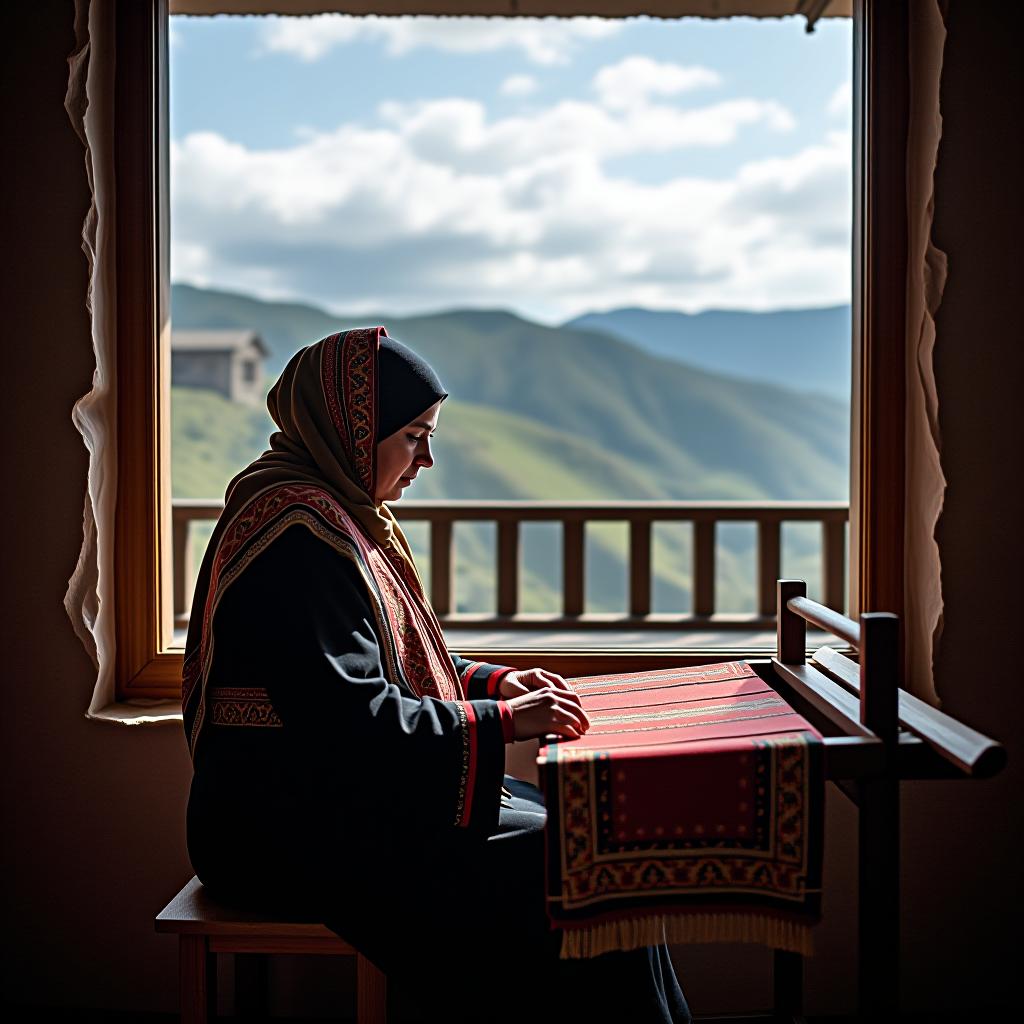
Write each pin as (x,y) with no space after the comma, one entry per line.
(688,433)
(803,349)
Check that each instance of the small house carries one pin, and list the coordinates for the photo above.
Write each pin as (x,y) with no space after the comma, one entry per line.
(229,362)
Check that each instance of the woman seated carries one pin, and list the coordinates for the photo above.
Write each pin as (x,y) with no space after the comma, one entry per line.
(347,767)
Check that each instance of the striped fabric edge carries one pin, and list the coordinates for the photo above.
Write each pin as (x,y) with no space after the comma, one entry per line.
(469,749)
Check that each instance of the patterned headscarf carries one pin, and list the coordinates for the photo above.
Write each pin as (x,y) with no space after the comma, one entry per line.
(329,404)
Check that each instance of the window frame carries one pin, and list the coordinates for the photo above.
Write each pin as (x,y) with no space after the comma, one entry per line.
(145,663)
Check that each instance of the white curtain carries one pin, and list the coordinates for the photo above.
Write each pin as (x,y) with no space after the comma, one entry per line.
(926,278)
(89,599)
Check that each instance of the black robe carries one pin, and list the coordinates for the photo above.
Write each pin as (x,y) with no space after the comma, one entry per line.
(324,790)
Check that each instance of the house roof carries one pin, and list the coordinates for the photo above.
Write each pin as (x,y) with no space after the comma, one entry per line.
(217,341)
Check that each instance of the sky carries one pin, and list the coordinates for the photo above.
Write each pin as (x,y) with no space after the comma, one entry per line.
(547,166)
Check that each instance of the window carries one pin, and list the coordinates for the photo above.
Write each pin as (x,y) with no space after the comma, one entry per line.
(148,664)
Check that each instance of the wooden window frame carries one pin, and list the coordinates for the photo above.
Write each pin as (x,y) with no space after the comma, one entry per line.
(147,666)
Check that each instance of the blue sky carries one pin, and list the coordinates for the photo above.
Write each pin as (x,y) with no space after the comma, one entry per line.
(551,167)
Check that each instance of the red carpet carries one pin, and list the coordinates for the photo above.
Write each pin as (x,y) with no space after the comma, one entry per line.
(691,811)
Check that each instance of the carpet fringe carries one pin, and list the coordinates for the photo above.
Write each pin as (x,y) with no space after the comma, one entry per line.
(635,932)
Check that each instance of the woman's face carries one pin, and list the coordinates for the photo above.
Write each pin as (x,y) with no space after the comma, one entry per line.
(401,456)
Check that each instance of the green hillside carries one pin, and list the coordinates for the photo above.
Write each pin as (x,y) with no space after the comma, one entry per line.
(692,434)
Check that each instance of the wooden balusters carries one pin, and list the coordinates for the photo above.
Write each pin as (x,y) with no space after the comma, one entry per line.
(639,567)
(573,574)
(180,560)
(508,566)
(441,580)
(833,563)
(573,518)
(769,560)
(704,567)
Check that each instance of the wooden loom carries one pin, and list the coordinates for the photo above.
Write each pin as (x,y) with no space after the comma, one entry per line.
(876,734)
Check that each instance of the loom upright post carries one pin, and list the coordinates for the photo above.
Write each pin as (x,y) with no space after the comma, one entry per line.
(791,636)
(879,831)
(788,985)
(787,967)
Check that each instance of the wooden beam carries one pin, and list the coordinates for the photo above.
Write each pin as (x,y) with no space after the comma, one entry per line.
(704,568)
(441,578)
(791,629)
(880,674)
(826,696)
(197,980)
(971,752)
(573,571)
(639,567)
(826,619)
(880,123)
(833,564)
(769,560)
(788,984)
(508,567)
(371,993)
(143,597)
(181,562)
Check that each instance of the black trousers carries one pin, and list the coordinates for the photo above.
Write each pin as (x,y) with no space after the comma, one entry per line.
(469,940)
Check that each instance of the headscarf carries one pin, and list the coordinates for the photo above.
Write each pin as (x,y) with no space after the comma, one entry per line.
(331,411)
(332,404)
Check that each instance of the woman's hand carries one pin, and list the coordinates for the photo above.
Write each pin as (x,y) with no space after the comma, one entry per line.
(539,712)
(518,682)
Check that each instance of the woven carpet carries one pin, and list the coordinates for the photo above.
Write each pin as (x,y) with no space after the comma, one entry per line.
(690,812)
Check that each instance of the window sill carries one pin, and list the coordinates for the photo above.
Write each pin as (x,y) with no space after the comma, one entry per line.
(139,712)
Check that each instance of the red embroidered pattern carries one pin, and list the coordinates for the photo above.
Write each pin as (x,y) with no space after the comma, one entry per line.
(423,663)
(243,706)
(469,744)
(348,369)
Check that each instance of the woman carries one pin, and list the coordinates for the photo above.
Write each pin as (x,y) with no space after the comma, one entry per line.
(345,765)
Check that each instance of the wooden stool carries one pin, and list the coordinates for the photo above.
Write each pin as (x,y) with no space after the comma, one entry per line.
(206,928)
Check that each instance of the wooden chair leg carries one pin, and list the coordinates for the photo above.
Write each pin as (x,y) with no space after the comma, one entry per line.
(197,980)
(251,986)
(371,993)
(788,983)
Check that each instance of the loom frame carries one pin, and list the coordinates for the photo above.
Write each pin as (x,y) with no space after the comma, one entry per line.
(876,735)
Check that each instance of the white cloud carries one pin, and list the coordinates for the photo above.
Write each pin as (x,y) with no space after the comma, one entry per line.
(519,85)
(840,103)
(433,128)
(635,80)
(543,41)
(444,207)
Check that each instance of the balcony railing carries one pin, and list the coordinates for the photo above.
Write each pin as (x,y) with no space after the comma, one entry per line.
(640,517)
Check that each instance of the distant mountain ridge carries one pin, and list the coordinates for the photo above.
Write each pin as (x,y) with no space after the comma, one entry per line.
(802,349)
(690,434)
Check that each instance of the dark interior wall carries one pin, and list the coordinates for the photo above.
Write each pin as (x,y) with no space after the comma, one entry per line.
(962,842)
(94,812)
